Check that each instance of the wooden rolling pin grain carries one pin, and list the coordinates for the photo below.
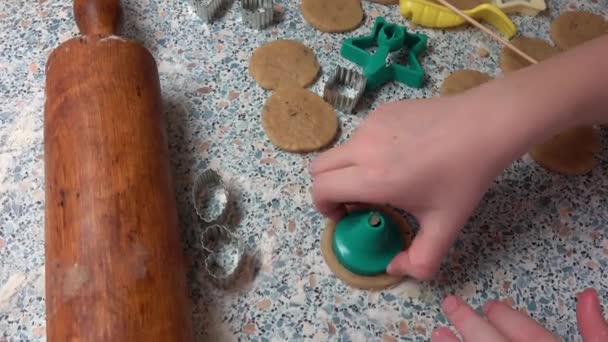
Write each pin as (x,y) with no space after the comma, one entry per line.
(114,264)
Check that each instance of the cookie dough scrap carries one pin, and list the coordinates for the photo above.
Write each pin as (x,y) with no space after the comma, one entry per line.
(463,80)
(298,120)
(376,283)
(536,48)
(576,27)
(332,15)
(283,62)
(571,152)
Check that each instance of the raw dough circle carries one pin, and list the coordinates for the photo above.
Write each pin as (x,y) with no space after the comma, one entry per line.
(378,282)
(332,15)
(463,80)
(537,48)
(298,120)
(571,152)
(464,4)
(283,62)
(576,27)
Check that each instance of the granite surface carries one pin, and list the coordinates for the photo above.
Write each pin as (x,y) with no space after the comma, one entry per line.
(535,240)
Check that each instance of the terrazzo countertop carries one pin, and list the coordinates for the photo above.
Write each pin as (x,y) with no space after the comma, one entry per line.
(536,239)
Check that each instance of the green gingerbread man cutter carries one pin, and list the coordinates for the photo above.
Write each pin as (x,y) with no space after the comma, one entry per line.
(388,38)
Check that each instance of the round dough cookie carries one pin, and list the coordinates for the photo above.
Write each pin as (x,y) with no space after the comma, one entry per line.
(571,152)
(536,48)
(298,120)
(464,4)
(378,282)
(332,15)
(283,62)
(463,80)
(576,27)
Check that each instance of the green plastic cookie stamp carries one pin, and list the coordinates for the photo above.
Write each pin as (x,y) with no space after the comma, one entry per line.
(387,38)
(365,242)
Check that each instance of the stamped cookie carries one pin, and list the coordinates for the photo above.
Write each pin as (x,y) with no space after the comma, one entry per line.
(332,15)
(571,152)
(463,80)
(298,120)
(536,48)
(576,27)
(283,62)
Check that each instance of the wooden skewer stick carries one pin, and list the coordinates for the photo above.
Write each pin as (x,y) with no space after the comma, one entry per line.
(488,31)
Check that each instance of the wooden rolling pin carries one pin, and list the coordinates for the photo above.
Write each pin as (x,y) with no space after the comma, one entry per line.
(114,261)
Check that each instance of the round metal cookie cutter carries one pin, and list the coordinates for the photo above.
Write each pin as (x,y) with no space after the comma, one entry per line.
(257,14)
(214,240)
(205,187)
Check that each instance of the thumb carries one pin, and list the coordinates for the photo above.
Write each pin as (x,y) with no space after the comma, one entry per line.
(424,256)
(591,323)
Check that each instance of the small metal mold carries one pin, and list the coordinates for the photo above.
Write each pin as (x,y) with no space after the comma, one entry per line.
(211,198)
(341,77)
(225,259)
(257,14)
(208,10)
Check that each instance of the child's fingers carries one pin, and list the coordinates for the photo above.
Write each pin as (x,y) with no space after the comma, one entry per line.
(591,323)
(336,158)
(469,325)
(516,325)
(443,335)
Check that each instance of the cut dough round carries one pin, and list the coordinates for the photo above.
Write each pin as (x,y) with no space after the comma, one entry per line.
(378,282)
(576,27)
(464,4)
(298,120)
(571,152)
(283,62)
(536,48)
(332,15)
(463,80)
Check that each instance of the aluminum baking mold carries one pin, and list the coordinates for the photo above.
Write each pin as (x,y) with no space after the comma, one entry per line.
(257,14)
(207,10)
(213,239)
(344,77)
(203,191)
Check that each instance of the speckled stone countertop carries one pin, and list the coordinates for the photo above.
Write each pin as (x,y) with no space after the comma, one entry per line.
(536,239)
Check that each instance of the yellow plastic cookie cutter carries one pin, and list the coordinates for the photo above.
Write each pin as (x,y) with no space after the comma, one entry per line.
(428,14)
(525,7)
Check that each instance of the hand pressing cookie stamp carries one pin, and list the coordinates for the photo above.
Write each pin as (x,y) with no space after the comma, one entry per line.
(332,15)
(463,80)
(283,62)
(298,120)
(537,48)
(571,152)
(576,27)
(360,246)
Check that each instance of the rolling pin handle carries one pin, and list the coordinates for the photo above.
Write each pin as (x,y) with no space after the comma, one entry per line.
(97,17)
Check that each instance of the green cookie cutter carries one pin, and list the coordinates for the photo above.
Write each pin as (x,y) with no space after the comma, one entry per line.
(387,37)
(365,241)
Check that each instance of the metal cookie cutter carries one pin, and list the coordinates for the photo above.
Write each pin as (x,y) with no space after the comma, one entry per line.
(525,7)
(257,14)
(225,255)
(349,78)
(208,189)
(207,9)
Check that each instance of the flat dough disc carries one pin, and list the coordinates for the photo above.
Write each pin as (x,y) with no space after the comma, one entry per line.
(464,4)
(571,152)
(463,80)
(332,15)
(298,120)
(283,62)
(576,27)
(378,282)
(537,48)
(385,2)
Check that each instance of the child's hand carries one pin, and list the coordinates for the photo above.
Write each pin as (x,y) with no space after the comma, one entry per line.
(503,323)
(433,158)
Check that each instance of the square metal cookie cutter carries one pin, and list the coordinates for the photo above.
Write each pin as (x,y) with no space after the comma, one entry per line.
(341,76)
(207,10)
(257,14)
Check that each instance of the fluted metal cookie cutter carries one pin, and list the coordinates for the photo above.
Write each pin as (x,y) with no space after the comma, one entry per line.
(257,14)
(208,189)
(225,257)
(341,77)
(207,10)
